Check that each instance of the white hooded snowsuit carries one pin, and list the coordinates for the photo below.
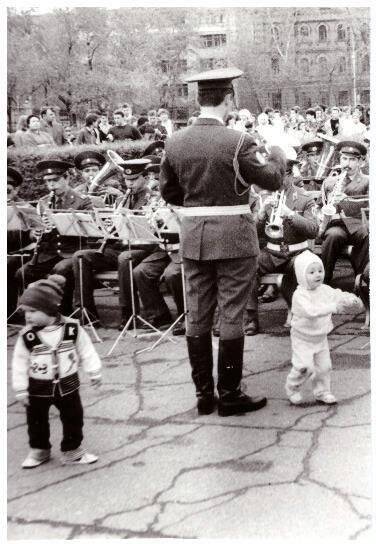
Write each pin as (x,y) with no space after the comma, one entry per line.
(311,322)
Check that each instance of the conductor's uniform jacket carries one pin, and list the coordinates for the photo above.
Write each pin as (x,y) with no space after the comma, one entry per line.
(198,170)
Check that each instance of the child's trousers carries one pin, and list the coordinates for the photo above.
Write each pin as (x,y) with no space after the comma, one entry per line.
(309,360)
(71,415)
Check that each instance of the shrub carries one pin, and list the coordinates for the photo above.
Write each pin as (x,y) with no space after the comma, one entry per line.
(25,159)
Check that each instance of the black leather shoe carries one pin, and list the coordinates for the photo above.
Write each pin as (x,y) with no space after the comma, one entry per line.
(206,405)
(251,328)
(215,332)
(179,329)
(158,321)
(240,404)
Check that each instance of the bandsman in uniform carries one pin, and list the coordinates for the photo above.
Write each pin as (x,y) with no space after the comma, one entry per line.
(299,224)
(53,252)
(346,227)
(89,163)
(310,164)
(207,169)
(114,255)
(16,240)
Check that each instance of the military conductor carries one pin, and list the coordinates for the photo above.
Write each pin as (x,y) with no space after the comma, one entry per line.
(207,171)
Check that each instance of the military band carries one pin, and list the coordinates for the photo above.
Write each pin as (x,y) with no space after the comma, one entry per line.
(204,173)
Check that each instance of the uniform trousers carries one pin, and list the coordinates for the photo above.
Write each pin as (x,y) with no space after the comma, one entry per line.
(224,281)
(148,276)
(335,239)
(55,265)
(71,416)
(13,264)
(310,360)
(111,259)
(267,264)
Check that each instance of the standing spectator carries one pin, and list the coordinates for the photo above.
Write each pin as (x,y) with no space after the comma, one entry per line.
(353,129)
(320,119)
(311,125)
(332,125)
(89,134)
(244,118)
(122,130)
(49,124)
(165,120)
(103,127)
(129,118)
(34,136)
(152,129)
(21,129)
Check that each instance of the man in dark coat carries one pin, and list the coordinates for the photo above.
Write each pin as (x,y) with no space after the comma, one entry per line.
(208,169)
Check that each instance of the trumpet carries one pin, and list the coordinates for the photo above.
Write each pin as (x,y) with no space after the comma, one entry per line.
(274,228)
(329,209)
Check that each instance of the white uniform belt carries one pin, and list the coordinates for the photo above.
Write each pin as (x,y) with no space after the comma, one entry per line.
(196,211)
(335,216)
(291,247)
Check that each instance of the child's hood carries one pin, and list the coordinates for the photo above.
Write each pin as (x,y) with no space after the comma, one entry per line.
(301,263)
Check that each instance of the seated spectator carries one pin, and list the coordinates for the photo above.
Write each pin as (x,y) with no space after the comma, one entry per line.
(122,130)
(33,135)
(89,133)
(244,116)
(21,129)
(69,137)
(352,128)
(231,119)
(49,124)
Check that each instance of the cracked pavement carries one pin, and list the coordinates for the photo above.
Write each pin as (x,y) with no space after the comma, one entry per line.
(164,472)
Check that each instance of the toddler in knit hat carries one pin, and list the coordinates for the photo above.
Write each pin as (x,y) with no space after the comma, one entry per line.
(46,359)
(313,304)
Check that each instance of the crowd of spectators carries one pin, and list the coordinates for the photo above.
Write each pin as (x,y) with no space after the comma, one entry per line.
(295,127)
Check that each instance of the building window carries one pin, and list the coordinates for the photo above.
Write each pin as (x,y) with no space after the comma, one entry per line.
(177,66)
(304,31)
(213,40)
(341,33)
(342,65)
(323,33)
(275,33)
(323,65)
(305,100)
(364,32)
(277,100)
(304,66)
(275,65)
(365,64)
(212,18)
(343,98)
(364,97)
(182,90)
(211,64)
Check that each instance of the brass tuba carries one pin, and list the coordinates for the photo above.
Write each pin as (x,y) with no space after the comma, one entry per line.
(113,165)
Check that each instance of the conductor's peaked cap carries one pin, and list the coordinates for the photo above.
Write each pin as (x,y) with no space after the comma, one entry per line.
(215,79)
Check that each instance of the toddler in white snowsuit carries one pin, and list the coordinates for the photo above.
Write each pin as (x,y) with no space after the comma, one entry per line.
(45,364)
(312,306)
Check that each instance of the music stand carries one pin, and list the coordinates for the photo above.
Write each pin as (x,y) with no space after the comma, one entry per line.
(167,223)
(22,218)
(81,224)
(134,228)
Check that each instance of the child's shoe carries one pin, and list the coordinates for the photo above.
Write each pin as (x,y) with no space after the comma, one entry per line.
(86,459)
(36,457)
(326,398)
(296,398)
